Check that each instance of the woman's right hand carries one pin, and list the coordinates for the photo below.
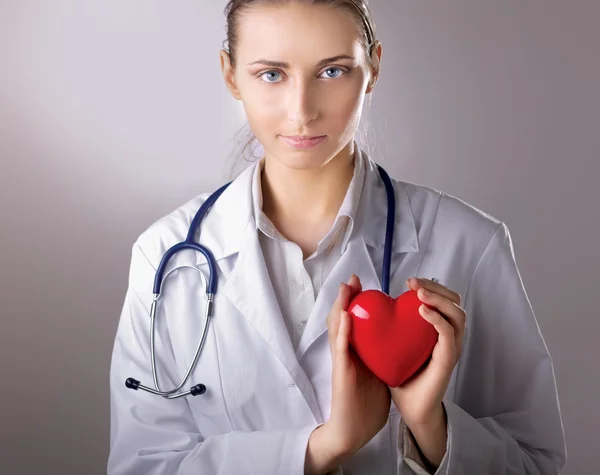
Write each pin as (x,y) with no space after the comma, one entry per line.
(360,401)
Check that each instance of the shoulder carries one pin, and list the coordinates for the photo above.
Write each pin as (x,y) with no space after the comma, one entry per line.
(447,206)
(220,230)
(450,219)
(168,230)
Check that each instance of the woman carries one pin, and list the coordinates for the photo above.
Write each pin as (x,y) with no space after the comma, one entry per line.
(286,395)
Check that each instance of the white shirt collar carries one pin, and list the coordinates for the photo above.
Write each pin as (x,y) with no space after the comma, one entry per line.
(344,221)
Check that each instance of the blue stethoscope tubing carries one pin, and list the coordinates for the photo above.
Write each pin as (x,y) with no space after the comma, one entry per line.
(211,284)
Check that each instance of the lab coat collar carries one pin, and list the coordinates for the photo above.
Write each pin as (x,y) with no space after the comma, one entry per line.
(233,211)
(227,219)
(373,213)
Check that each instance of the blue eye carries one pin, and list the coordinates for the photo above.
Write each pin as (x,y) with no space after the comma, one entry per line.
(339,70)
(273,77)
(270,75)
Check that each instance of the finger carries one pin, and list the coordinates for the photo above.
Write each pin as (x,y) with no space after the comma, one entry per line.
(445,331)
(341,298)
(355,286)
(447,307)
(454,314)
(414,283)
(346,293)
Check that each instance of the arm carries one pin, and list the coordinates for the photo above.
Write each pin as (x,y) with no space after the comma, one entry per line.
(320,460)
(506,415)
(155,436)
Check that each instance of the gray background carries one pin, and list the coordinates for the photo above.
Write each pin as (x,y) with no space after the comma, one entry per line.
(114,113)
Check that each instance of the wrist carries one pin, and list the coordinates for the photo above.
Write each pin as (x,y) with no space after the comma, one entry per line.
(431,438)
(324,452)
(436,419)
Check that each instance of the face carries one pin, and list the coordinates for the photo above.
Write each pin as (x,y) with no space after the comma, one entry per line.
(301,71)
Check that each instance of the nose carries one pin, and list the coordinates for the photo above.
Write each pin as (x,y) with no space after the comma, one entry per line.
(302,104)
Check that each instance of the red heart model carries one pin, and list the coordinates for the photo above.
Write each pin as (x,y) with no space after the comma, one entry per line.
(389,335)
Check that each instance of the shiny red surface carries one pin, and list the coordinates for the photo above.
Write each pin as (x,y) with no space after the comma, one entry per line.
(389,335)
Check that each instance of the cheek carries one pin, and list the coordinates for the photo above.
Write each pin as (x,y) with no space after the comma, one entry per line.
(347,107)
(343,106)
(262,107)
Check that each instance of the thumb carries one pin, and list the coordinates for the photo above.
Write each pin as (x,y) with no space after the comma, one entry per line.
(342,342)
(340,303)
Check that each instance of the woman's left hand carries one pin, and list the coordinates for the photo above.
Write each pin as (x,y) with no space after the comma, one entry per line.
(419,400)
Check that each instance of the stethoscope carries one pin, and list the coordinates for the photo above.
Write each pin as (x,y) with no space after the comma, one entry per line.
(211,285)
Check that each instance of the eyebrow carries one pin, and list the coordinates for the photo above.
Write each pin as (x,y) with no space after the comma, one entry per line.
(283,65)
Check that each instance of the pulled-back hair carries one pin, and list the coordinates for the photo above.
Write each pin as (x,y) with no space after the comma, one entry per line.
(357,8)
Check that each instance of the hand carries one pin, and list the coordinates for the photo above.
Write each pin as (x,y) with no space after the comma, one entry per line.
(360,401)
(419,400)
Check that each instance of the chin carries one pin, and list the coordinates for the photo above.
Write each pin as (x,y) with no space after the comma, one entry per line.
(304,159)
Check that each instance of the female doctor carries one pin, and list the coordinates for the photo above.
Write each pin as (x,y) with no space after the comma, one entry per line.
(294,237)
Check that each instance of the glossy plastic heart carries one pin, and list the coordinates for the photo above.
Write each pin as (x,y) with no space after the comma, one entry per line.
(389,335)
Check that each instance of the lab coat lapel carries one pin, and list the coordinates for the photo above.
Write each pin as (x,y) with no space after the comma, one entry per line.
(355,260)
(250,290)
(231,234)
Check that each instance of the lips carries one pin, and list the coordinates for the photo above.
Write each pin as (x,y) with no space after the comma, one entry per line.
(298,141)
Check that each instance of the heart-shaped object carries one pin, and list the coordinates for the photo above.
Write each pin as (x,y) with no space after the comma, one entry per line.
(389,335)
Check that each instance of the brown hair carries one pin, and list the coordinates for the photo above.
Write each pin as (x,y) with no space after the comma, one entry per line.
(235,8)
(358,8)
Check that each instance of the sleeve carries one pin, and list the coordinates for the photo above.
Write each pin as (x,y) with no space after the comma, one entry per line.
(155,436)
(505,417)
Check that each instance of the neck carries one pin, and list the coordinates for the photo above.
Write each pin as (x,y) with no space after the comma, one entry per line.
(307,196)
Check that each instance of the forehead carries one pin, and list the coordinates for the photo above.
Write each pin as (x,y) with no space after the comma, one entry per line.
(297,32)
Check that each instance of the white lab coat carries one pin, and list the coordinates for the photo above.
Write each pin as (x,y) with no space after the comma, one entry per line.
(264,398)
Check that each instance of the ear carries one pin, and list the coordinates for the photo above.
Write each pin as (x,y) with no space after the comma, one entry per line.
(376,61)
(229,74)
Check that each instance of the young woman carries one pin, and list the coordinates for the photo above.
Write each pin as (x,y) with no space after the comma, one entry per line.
(294,237)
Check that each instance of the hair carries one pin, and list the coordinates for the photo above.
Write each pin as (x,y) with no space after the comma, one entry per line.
(359,9)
